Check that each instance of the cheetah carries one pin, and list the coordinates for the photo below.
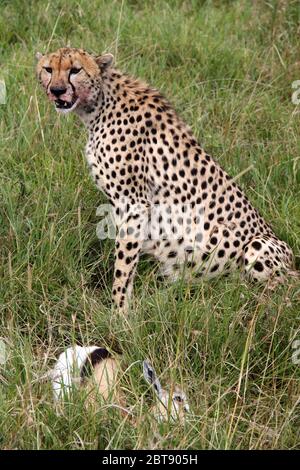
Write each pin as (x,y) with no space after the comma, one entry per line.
(170,198)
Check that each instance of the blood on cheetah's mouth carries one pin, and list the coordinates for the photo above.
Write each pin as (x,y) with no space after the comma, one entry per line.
(63,106)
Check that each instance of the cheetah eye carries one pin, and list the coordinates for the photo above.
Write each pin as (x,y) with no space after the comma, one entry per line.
(74,71)
(48,69)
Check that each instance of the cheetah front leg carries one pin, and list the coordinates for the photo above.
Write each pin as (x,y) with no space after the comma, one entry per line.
(126,258)
(129,242)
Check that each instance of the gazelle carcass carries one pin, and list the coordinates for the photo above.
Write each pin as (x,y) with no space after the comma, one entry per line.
(99,372)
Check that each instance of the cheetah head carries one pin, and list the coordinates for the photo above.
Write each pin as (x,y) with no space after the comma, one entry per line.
(72,77)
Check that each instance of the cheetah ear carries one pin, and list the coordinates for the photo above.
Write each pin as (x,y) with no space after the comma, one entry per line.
(151,378)
(38,55)
(104,61)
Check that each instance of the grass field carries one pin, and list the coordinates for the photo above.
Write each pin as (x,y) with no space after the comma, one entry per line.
(228,67)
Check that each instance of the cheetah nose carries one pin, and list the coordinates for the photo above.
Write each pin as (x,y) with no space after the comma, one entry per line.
(57,91)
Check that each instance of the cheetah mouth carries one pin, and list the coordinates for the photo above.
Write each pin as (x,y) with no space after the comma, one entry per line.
(63,106)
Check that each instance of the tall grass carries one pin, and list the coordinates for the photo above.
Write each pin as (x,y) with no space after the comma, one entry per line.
(228,67)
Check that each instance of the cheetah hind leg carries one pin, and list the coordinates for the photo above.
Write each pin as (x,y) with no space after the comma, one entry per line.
(267,259)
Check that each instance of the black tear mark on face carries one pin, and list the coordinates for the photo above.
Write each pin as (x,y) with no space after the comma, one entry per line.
(94,358)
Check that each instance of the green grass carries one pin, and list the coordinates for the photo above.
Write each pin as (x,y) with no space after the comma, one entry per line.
(228,67)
